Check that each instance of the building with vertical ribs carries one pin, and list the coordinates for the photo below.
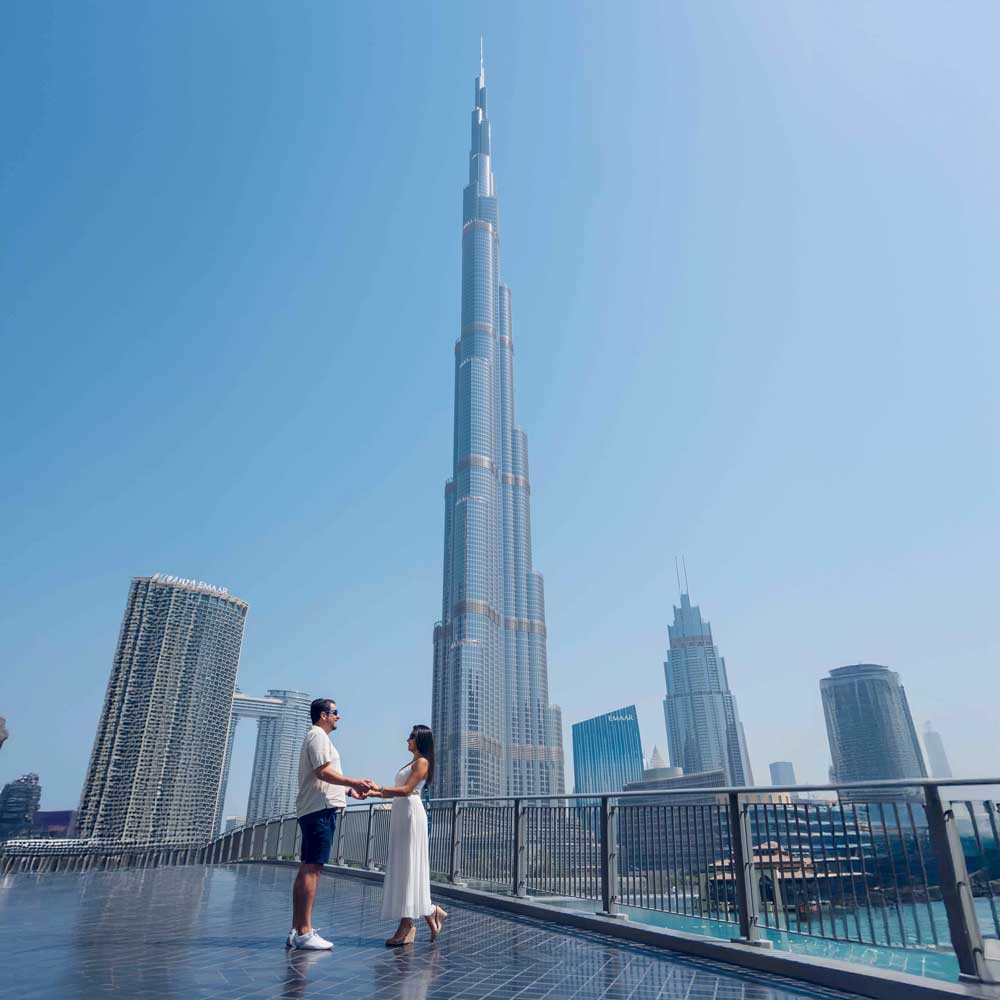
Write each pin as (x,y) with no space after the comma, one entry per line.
(704,731)
(282,722)
(156,767)
(496,732)
(870,729)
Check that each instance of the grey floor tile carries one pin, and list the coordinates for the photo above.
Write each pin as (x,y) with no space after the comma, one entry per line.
(218,934)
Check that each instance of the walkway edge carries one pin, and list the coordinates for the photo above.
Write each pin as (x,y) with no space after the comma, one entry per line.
(880,984)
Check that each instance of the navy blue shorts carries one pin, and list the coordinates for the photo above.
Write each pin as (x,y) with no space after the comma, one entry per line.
(317,836)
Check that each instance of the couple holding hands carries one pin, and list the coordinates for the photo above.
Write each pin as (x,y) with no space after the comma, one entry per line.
(323,791)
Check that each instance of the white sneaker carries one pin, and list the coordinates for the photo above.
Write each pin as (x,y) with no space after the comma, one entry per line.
(310,942)
(290,943)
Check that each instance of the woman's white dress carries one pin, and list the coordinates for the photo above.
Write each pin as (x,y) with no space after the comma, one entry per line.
(407,887)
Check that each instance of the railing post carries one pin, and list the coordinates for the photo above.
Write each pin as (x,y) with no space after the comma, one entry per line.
(744,874)
(338,837)
(455,860)
(520,872)
(368,838)
(609,858)
(956,890)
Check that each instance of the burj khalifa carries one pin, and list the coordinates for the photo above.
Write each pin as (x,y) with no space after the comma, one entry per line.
(495,731)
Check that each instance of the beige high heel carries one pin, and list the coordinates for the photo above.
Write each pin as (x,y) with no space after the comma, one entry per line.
(440,915)
(407,938)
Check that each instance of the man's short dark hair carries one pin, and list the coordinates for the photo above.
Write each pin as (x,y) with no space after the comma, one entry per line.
(318,707)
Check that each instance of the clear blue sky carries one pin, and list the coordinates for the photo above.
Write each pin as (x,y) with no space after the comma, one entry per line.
(753,253)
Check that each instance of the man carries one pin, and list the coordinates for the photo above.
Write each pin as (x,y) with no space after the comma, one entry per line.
(321,797)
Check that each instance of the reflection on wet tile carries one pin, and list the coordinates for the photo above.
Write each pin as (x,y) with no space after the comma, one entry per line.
(218,934)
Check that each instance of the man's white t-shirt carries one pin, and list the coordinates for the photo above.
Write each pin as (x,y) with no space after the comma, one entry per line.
(314,794)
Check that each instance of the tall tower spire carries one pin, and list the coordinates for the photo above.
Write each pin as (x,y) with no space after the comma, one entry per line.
(496,731)
(704,731)
(482,71)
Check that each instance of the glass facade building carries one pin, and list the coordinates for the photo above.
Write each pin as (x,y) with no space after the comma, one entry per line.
(869,726)
(704,732)
(156,768)
(607,752)
(782,773)
(282,722)
(496,732)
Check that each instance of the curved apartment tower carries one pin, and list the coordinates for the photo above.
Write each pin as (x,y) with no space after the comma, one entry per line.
(496,732)
(870,729)
(158,756)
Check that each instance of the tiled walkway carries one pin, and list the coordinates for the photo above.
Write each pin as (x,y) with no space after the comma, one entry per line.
(218,934)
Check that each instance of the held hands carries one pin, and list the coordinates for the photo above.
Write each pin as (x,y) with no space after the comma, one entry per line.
(364,788)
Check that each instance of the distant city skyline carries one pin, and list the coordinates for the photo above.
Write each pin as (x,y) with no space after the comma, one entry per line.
(752,247)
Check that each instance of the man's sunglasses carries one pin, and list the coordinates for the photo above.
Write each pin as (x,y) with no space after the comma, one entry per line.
(332,711)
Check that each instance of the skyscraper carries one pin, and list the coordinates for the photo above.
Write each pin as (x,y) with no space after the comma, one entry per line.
(282,721)
(607,751)
(869,726)
(782,773)
(156,766)
(704,732)
(936,757)
(497,734)
(18,806)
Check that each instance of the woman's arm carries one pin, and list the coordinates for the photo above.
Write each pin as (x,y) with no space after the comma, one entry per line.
(417,774)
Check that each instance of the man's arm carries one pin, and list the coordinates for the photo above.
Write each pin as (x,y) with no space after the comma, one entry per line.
(326,773)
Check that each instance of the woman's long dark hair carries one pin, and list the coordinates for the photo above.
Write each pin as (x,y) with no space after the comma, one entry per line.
(424,740)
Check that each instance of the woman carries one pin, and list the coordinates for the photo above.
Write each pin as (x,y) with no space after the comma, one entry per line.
(407,888)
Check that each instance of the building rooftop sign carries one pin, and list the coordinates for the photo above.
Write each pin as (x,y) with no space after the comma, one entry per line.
(178,581)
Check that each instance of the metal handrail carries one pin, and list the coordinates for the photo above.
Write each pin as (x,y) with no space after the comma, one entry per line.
(676,792)
(740,857)
(735,789)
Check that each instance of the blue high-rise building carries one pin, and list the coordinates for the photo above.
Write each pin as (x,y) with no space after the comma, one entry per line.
(704,732)
(607,751)
(496,732)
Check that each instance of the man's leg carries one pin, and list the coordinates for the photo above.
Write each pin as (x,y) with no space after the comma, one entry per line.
(317,838)
(303,895)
